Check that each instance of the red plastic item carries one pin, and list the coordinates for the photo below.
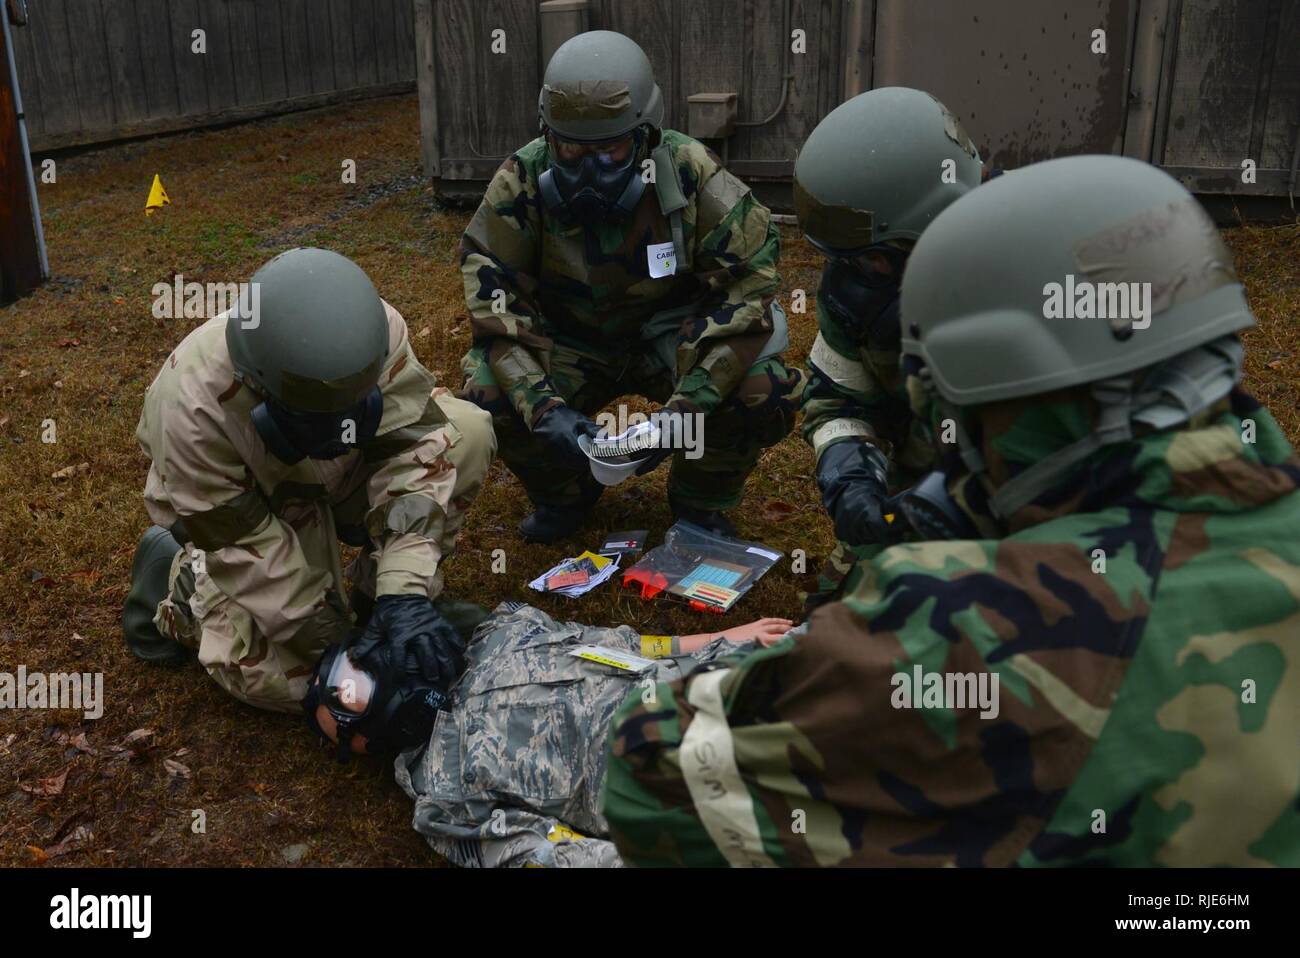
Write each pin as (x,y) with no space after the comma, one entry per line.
(651,583)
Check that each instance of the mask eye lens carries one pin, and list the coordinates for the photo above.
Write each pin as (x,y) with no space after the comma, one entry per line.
(349,689)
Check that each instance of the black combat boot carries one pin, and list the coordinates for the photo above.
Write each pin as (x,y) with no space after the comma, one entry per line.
(552,523)
(149,572)
(710,519)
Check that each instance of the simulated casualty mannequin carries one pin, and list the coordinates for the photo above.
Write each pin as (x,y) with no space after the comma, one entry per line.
(300,421)
(512,771)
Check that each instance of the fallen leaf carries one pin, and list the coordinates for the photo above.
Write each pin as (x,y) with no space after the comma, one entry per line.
(38,855)
(4,421)
(58,384)
(70,471)
(1275,364)
(176,769)
(89,576)
(66,343)
(79,742)
(423,333)
(775,509)
(48,787)
(81,836)
(179,752)
(139,735)
(24,373)
(40,578)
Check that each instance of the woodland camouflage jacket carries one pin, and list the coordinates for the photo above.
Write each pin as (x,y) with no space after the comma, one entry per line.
(591,288)
(1145,631)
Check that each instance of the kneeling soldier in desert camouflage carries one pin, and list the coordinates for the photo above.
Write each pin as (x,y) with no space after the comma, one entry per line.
(275,434)
(585,282)
(1103,667)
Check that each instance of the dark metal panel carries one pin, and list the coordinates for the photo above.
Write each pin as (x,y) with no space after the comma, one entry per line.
(1019,74)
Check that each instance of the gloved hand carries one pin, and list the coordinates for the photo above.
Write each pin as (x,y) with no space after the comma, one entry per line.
(560,427)
(851,475)
(407,634)
(669,422)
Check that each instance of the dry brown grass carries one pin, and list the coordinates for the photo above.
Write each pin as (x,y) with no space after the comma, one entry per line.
(239,196)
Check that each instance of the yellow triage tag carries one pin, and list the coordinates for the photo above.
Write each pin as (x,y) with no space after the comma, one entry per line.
(563,833)
(599,561)
(656,646)
(613,658)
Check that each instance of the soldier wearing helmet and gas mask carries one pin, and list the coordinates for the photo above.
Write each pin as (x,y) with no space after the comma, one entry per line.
(868,181)
(1104,667)
(612,256)
(297,421)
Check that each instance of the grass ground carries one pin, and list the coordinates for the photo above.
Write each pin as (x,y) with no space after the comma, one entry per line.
(124,789)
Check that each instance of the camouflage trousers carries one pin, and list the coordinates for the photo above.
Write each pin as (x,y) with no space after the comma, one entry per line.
(274,675)
(759,413)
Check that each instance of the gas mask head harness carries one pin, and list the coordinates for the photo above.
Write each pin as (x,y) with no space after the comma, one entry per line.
(367,694)
(594,188)
(863,300)
(293,435)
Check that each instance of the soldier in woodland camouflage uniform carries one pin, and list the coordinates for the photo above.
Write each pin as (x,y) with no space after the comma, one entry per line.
(273,436)
(512,773)
(869,180)
(1134,584)
(584,283)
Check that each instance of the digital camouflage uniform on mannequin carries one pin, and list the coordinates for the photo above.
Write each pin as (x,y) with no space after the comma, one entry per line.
(1134,586)
(572,304)
(512,773)
(260,467)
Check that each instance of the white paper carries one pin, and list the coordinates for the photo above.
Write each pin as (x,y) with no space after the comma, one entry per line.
(661,260)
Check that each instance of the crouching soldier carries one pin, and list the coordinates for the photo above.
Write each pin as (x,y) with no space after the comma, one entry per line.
(298,421)
(1105,668)
(869,180)
(611,256)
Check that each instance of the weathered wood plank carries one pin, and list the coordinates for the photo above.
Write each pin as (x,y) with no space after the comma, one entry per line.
(506,114)
(1221,45)
(191,68)
(245,48)
(363,41)
(125,61)
(1283,112)
(296,45)
(345,64)
(218,62)
(404,23)
(387,66)
(152,24)
(454,60)
(90,64)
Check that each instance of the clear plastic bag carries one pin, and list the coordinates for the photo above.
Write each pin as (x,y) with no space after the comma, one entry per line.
(707,570)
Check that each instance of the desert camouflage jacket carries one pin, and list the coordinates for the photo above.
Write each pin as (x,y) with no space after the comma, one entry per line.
(512,773)
(256,519)
(1143,624)
(591,288)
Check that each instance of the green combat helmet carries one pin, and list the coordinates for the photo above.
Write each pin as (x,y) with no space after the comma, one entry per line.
(599,86)
(311,339)
(318,337)
(880,167)
(1088,269)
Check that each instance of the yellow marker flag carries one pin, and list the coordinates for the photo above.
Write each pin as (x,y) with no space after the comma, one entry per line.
(157,197)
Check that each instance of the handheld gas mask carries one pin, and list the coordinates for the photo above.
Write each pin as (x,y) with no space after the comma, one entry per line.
(594,188)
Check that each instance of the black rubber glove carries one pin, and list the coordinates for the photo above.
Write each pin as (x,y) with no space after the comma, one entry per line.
(669,422)
(851,476)
(560,427)
(407,634)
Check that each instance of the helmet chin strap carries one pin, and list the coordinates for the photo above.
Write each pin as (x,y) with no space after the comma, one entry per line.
(1157,397)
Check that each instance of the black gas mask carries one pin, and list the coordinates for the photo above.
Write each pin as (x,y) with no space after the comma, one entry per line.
(864,301)
(927,512)
(594,189)
(292,435)
(372,696)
